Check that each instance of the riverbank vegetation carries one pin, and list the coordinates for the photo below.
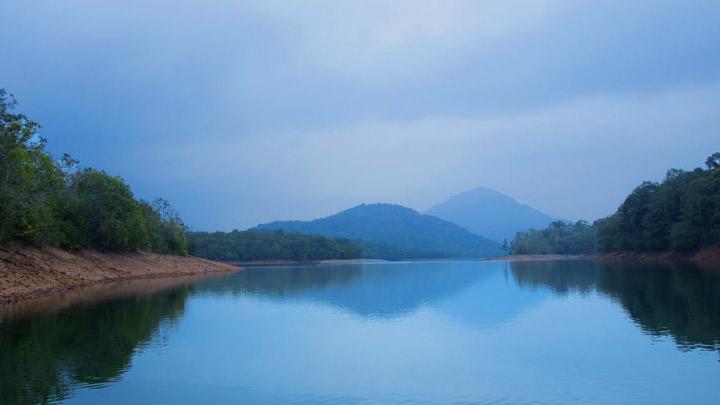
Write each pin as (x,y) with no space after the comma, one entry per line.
(563,238)
(680,213)
(54,202)
(278,245)
(48,202)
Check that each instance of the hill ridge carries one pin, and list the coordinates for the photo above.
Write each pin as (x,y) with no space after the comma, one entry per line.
(392,231)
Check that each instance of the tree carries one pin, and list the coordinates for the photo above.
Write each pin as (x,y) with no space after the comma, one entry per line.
(559,237)
(102,207)
(260,245)
(681,213)
(713,161)
(48,202)
(166,230)
(29,180)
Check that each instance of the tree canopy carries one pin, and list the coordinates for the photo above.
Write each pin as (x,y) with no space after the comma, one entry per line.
(259,245)
(55,203)
(680,213)
(559,238)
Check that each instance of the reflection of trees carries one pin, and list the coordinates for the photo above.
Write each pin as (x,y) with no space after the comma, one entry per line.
(281,281)
(366,290)
(561,276)
(680,300)
(41,357)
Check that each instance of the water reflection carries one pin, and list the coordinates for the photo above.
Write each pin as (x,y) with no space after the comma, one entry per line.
(682,301)
(46,354)
(369,290)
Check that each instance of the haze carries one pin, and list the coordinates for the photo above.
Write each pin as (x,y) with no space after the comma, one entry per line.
(241,112)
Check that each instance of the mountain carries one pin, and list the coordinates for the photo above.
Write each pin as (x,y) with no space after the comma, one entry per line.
(490,213)
(387,231)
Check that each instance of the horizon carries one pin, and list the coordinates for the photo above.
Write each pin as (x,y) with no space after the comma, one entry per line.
(243,113)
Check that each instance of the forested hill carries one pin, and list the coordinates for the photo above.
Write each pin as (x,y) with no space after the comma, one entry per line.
(388,231)
(490,213)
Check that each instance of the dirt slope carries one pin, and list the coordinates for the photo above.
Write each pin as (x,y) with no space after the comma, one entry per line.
(28,272)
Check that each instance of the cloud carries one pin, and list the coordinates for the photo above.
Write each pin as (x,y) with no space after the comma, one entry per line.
(248,111)
(399,40)
(576,160)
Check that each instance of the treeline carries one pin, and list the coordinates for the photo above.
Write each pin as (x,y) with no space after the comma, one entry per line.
(261,245)
(47,202)
(560,237)
(680,213)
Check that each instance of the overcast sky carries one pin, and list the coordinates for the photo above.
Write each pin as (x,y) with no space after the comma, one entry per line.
(242,112)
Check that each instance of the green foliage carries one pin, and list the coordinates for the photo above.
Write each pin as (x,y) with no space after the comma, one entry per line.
(103,209)
(257,245)
(558,238)
(166,231)
(680,213)
(29,180)
(45,202)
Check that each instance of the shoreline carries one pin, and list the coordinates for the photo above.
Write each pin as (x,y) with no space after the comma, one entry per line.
(31,273)
(287,262)
(98,292)
(708,257)
(534,258)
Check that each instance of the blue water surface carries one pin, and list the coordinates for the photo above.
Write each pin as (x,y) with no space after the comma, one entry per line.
(408,332)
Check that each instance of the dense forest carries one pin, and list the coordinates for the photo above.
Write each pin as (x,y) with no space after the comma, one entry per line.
(255,245)
(680,213)
(560,237)
(48,202)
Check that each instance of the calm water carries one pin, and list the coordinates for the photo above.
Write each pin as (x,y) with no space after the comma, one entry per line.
(427,332)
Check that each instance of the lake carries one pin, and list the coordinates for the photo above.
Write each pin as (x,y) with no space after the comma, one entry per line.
(408,332)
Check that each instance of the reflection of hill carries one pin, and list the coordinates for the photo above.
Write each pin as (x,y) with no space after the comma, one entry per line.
(494,301)
(42,356)
(680,300)
(367,290)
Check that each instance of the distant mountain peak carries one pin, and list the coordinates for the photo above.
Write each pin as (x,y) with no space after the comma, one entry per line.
(490,213)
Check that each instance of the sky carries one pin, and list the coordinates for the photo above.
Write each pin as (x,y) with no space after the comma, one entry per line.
(244,112)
